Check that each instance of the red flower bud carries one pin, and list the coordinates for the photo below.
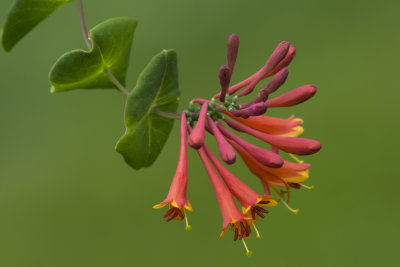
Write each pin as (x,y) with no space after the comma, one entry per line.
(264,156)
(253,110)
(232,51)
(197,136)
(294,97)
(279,53)
(225,149)
(224,80)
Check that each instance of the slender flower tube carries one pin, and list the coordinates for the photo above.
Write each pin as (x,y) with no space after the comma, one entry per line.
(295,145)
(225,149)
(263,156)
(270,125)
(232,51)
(230,213)
(253,110)
(289,172)
(224,79)
(249,199)
(276,57)
(176,198)
(197,136)
(294,97)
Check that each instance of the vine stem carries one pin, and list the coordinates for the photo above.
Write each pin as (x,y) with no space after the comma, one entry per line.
(89,44)
(166,114)
(83,25)
(116,82)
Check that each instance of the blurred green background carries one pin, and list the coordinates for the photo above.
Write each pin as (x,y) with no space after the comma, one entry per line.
(68,199)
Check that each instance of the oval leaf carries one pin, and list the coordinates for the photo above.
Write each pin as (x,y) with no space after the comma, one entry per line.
(147,131)
(111,45)
(23,16)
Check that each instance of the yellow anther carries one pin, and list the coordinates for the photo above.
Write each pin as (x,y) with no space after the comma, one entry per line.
(258,237)
(308,187)
(295,211)
(248,252)
(296,158)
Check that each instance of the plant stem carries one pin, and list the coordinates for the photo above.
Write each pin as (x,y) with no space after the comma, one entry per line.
(166,114)
(116,82)
(89,44)
(83,25)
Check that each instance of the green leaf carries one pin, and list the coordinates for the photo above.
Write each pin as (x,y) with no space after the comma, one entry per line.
(147,131)
(23,16)
(111,45)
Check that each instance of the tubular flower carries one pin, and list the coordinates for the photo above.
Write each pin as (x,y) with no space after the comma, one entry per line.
(277,176)
(252,203)
(176,198)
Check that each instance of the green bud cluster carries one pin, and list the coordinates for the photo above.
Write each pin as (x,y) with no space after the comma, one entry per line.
(231,103)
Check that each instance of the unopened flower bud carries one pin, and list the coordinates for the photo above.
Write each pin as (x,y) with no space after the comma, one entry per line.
(276,57)
(197,136)
(224,80)
(232,50)
(294,97)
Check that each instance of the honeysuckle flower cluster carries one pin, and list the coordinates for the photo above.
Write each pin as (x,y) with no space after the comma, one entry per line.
(224,113)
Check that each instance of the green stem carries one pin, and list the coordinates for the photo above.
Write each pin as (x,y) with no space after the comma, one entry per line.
(166,114)
(116,82)
(83,25)
(89,44)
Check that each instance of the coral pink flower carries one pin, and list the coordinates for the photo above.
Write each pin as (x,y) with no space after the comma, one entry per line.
(197,136)
(176,198)
(295,145)
(225,149)
(250,200)
(289,172)
(270,125)
(230,213)
(263,156)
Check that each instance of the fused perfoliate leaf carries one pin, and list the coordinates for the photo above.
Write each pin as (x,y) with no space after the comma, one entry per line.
(23,16)
(111,45)
(147,131)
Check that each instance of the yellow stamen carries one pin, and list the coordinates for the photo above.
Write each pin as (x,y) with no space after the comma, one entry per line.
(295,211)
(258,237)
(296,158)
(248,252)
(308,187)
(188,226)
